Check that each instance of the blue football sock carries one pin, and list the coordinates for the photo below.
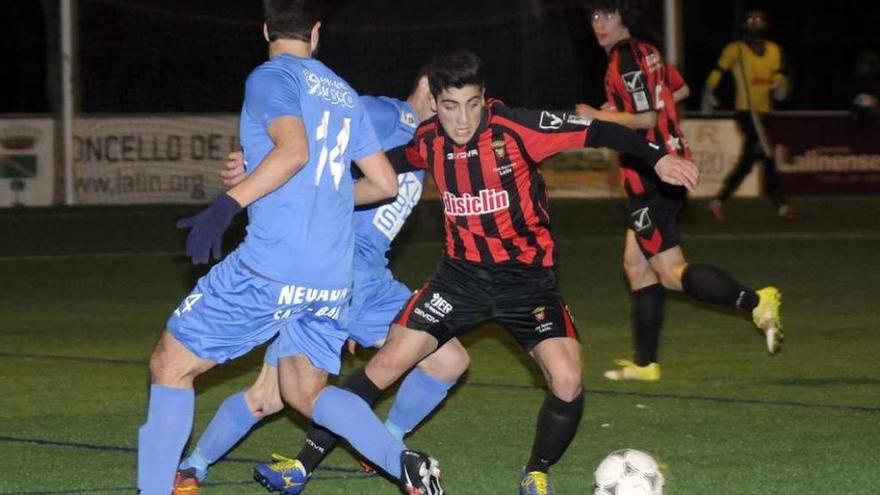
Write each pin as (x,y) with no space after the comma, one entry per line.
(162,437)
(232,421)
(347,415)
(419,394)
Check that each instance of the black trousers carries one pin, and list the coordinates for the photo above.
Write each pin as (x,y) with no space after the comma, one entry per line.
(753,151)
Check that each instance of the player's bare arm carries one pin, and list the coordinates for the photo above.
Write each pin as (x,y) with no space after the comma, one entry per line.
(379,182)
(636,121)
(290,154)
(681,93)
(232,172)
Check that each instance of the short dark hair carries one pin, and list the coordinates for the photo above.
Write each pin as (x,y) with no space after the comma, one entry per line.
(291,19)
(455,69)
(630,10)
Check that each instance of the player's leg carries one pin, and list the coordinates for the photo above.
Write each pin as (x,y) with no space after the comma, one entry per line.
(161,439)
(774,190)
(648,311)
(709,284)
(233,420)
(528,305)
(426,386)
(560,414)
(751,151)
(229,312)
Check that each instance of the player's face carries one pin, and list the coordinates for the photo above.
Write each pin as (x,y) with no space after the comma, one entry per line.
(460,110)
(608,28)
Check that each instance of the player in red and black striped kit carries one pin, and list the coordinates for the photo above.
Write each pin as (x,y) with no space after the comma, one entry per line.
(499,254)
(641,91)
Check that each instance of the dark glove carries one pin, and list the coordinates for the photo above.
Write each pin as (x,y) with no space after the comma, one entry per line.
(208,226)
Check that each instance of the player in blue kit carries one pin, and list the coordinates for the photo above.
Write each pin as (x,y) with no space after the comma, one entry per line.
(301,125)
(376,299)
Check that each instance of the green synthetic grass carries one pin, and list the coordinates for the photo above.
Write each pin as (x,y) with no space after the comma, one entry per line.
(84,293)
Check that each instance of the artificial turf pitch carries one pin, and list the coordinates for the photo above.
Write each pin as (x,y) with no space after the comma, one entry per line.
(85,292)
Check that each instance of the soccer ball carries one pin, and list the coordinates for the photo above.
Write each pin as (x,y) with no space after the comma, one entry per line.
(628,472)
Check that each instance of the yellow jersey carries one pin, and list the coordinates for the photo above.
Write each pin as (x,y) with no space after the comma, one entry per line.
(755,75)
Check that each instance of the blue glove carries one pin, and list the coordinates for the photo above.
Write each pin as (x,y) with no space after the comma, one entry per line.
(206,236)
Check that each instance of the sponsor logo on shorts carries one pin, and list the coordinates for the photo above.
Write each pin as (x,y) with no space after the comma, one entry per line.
(297,294)
(188,304)
(540,314)
(641,219)
(438,305)
(424,314)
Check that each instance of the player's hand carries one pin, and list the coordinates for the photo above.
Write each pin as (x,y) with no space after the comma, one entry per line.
(352,346)
(233,170)
(608,107)
(678,171)
(206,237)
(585,110)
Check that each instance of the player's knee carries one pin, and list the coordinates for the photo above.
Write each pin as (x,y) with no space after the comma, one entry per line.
(637,270)
(301,401)
(670,277)
(566,384)
(164,370)
(385,368)
(448,363)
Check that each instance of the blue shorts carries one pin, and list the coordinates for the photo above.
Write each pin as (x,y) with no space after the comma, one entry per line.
(374,305)
(232,310)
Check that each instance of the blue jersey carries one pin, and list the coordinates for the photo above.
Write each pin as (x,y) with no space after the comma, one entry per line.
(310,216)
(375,229)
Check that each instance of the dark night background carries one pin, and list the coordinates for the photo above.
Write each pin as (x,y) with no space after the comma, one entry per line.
(193,55)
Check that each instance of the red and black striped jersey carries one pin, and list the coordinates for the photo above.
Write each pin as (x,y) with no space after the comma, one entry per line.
(494,197)
(639,81)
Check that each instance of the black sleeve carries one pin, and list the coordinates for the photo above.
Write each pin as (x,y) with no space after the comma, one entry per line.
(623,139)
(397,157)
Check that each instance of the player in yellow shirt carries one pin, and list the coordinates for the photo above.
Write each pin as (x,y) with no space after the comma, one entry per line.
(757,67)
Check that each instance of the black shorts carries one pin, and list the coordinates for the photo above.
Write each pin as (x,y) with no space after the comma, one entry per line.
(460,295)
(654,219)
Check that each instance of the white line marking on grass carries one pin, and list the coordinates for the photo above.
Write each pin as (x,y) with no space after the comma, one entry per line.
(753,236)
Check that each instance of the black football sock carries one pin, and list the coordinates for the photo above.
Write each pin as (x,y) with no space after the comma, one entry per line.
(320,441)
(557,423)
(648,313)
(709,284)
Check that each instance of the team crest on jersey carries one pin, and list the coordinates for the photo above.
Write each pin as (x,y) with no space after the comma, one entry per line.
(499,148)
(633,81)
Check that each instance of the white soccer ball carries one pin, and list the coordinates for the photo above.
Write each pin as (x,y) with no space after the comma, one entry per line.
(628,472)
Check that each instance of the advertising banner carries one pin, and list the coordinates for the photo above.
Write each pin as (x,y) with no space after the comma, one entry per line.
(830,153)
(27,162)
(162,159)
